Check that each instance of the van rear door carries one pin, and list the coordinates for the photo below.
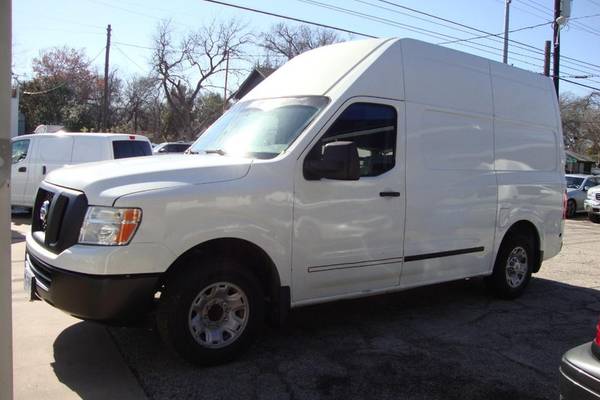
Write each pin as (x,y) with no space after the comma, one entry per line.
(21,155)
(52,152)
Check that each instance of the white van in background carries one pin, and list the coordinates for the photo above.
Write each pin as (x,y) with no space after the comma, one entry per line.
(34,156)
(355,169)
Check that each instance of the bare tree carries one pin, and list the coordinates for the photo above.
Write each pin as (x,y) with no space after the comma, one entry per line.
(138,95)
(289,41)
(581,123)
(185,70)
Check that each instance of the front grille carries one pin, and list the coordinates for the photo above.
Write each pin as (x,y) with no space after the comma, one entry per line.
(57,217)
(597,196)
(42,274)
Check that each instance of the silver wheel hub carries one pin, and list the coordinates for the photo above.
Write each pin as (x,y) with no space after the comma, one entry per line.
(516,267)
(218,315)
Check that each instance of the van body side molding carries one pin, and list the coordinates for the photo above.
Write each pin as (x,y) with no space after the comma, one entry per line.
(375,263)
(444,254)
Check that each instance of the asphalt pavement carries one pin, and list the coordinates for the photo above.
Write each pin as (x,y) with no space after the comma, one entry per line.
(448,341)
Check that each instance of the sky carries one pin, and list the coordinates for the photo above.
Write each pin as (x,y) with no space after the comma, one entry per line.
(81,24)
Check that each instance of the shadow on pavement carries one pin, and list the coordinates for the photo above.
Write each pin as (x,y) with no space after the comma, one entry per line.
(87,362)
(450,341)
(16,237)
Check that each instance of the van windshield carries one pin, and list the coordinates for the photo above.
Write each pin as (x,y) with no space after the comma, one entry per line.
(259,128)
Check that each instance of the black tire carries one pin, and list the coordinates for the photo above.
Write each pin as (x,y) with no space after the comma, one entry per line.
(174,311)
(595,218)
(500,282)
(571,208)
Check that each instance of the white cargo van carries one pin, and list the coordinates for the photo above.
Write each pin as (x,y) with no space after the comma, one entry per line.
(355,169)
(34,156)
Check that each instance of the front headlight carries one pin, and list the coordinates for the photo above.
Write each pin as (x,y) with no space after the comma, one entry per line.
(108,226)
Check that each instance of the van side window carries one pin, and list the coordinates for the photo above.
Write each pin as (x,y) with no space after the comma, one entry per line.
(19,150)
(373,128)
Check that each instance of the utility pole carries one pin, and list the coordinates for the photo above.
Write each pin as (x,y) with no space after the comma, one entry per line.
(106,77)
(556,39)
(506,25)
(547,52)
(226,74)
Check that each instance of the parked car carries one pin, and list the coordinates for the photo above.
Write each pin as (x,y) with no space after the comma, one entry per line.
(592,204)
(168,147)
(34,156)
(333,156)
(580,371)
(577,187)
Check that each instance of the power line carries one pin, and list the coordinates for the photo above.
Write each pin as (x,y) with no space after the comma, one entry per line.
(547,11)
(45,91)
(255,10)
(499,34)
(488,36)
(412,28)
(129,58)
(534,49)
(594,3)
(134,45)
(579,84)
(492,36)
(427,32)
(434,34)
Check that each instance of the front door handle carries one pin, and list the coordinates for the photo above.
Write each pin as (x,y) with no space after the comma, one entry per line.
(43,170)
(389,194)
(22,169)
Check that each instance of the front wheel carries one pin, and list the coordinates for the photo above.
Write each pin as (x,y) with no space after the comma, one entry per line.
(595,218)
(210,313)
(513,267)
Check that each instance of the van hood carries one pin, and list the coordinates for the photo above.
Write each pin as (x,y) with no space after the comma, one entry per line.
(103,182)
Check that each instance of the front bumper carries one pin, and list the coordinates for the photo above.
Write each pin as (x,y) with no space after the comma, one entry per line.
(108,298)
(579,374)
(592,206)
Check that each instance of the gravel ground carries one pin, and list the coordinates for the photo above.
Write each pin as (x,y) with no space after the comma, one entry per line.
(450,341)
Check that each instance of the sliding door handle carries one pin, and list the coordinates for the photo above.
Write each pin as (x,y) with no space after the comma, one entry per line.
(22,169)
(389,194)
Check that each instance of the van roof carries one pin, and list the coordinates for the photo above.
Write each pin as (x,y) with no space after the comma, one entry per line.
(90,134)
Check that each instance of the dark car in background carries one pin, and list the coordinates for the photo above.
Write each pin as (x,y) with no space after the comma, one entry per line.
(170,147)
(580,371)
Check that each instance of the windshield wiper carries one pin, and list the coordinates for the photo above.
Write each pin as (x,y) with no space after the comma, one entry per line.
(220,152)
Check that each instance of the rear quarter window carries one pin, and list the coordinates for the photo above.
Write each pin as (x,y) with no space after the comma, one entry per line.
(131,148)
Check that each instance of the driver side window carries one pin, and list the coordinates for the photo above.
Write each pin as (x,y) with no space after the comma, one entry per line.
(372,127)
(19,150)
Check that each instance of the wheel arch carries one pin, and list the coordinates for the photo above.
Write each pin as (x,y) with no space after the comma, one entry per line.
(530,229)
(260,264)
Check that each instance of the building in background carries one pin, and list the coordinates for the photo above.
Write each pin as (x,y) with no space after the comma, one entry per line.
(257,75)
(578,163)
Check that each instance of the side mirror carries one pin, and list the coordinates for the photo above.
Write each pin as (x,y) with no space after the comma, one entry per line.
(339,161)
(163,150)
(20,158)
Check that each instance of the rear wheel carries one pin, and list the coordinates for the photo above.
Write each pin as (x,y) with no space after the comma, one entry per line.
(513,267)
(595,218)
(571,208)
(211,313)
